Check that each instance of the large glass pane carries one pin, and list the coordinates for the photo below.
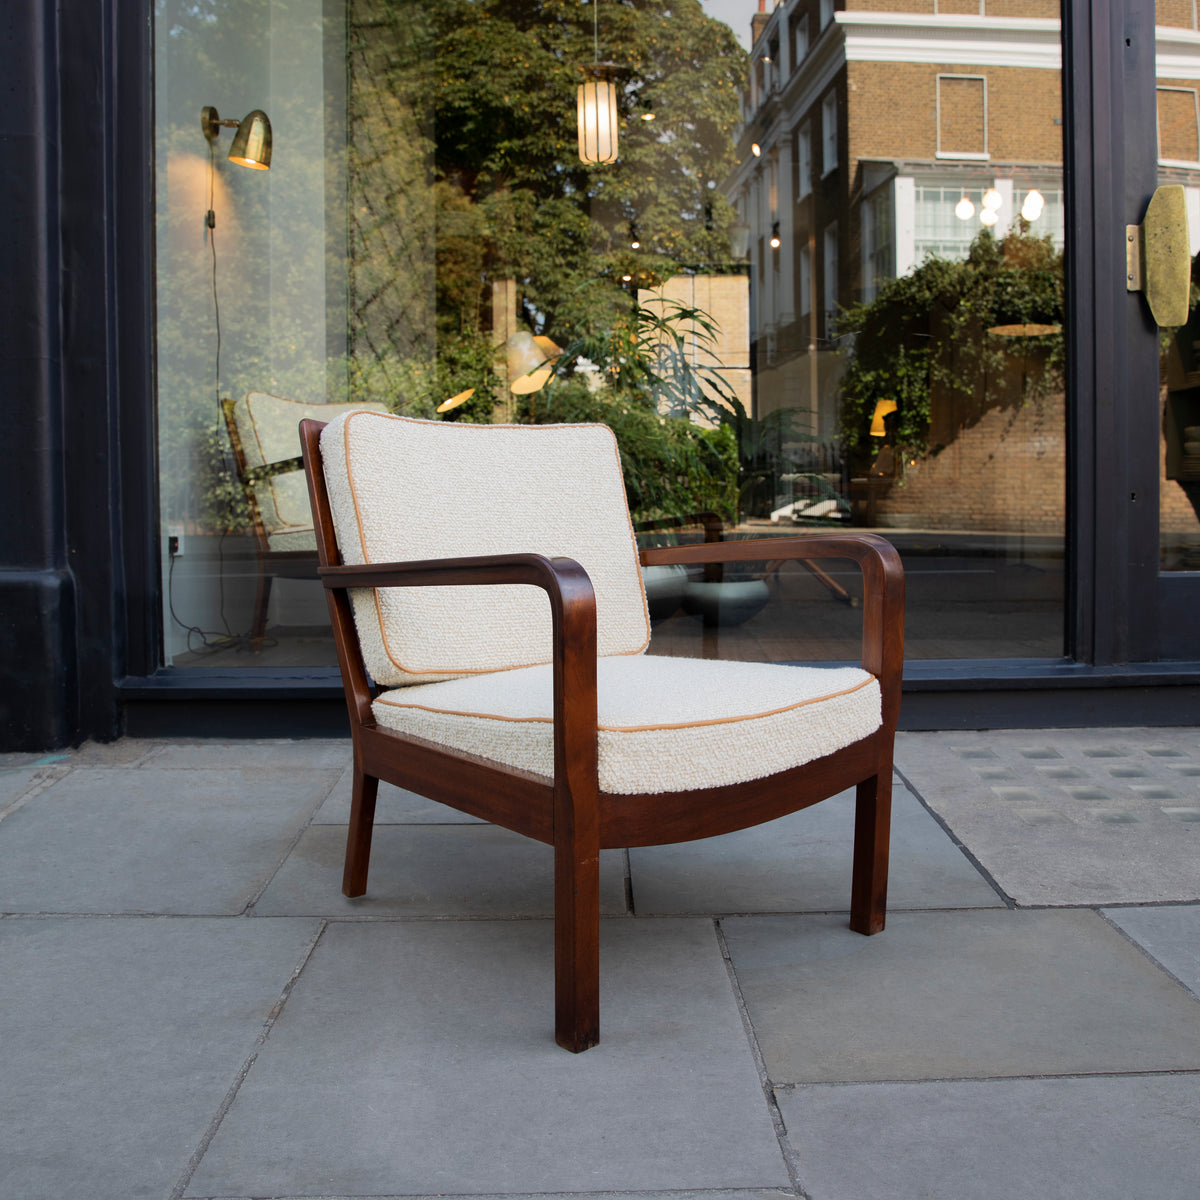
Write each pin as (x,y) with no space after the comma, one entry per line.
(906,331)
(252,316)
(1178,71)
(819,287)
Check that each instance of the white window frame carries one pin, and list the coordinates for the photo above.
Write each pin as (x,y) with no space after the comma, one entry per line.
(800,40)
(1178,162)
(829,271)
(829,133)
(804,171)
(962,155)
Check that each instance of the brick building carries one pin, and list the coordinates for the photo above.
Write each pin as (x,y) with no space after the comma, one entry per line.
(873,131)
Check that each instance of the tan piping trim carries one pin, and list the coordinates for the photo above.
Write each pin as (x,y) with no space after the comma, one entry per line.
(362,541)
(773,712)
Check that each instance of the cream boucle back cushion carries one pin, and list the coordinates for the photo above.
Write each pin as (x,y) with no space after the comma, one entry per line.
(665,724)
(402,490)
(269,430)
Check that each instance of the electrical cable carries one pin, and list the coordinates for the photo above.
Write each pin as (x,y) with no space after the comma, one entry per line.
(229,639)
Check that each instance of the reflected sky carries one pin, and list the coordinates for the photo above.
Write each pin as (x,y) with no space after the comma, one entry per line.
(736,14)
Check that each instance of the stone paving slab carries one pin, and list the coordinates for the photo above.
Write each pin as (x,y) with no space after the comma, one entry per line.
(393,806)
(474,870)
(327,753)
(119,1039)
(718,1194)
(1169,934)
(1125,1138)
(418,1058)
(801,863)
(952,995)
(1069,817)
(141,840)
(17,782)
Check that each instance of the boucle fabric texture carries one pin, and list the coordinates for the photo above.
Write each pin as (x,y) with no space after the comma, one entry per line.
(404,490)
(269,430)
(665,724)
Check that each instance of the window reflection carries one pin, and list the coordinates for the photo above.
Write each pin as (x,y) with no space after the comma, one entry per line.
(778,254)
(919,369)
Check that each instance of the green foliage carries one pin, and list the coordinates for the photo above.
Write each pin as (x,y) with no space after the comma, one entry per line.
(632,367)
(929,331)
(671,466)
(503,105)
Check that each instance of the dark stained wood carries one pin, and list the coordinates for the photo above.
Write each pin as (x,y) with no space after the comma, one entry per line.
(289,564)
(569,812)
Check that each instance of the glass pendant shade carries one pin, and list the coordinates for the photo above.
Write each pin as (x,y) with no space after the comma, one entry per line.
(597,104)
(882,409)
(252,142)
(1034,203)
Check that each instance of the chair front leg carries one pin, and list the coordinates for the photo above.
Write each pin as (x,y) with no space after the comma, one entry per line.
(872,834)
(358,837)
(576,938)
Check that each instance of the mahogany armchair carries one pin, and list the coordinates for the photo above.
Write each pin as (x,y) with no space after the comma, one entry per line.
(266,454)
(490,624)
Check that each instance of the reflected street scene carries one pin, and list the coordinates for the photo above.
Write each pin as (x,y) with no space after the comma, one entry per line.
(805,259)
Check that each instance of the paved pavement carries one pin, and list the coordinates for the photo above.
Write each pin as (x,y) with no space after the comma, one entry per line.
(190,1008)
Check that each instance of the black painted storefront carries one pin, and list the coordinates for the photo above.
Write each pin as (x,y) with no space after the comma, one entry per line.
(79,571)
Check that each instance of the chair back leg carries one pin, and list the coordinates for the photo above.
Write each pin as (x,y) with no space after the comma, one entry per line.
(358,839)
(872,835)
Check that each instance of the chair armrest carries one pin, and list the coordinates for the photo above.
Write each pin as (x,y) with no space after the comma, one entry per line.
(285,466)
(883,589)
(573,623)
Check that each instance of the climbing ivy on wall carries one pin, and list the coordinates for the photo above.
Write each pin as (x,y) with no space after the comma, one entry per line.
(958,328)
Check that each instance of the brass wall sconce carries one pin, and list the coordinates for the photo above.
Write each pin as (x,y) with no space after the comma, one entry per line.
(252,142)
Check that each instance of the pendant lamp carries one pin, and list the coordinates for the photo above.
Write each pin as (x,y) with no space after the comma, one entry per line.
(597,105)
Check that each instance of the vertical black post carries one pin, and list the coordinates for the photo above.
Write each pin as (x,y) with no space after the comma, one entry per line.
(37,595)
(1111,167)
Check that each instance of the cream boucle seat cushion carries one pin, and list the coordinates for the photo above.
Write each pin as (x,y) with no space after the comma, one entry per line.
(665,724)
(403,490)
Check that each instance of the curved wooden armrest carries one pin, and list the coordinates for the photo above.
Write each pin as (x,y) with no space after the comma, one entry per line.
(883,589)
(573,626)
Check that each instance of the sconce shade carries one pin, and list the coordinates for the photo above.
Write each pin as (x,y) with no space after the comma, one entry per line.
(597,105)
(530,362)
(252,142)
(882,409)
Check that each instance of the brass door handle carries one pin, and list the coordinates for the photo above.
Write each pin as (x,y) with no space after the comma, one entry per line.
(1157,262)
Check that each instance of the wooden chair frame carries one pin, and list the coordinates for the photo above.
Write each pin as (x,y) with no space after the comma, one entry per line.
(569,812)
(271,564)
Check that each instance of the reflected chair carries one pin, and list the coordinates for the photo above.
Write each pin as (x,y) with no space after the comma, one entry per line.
(263,434)
(491,624)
